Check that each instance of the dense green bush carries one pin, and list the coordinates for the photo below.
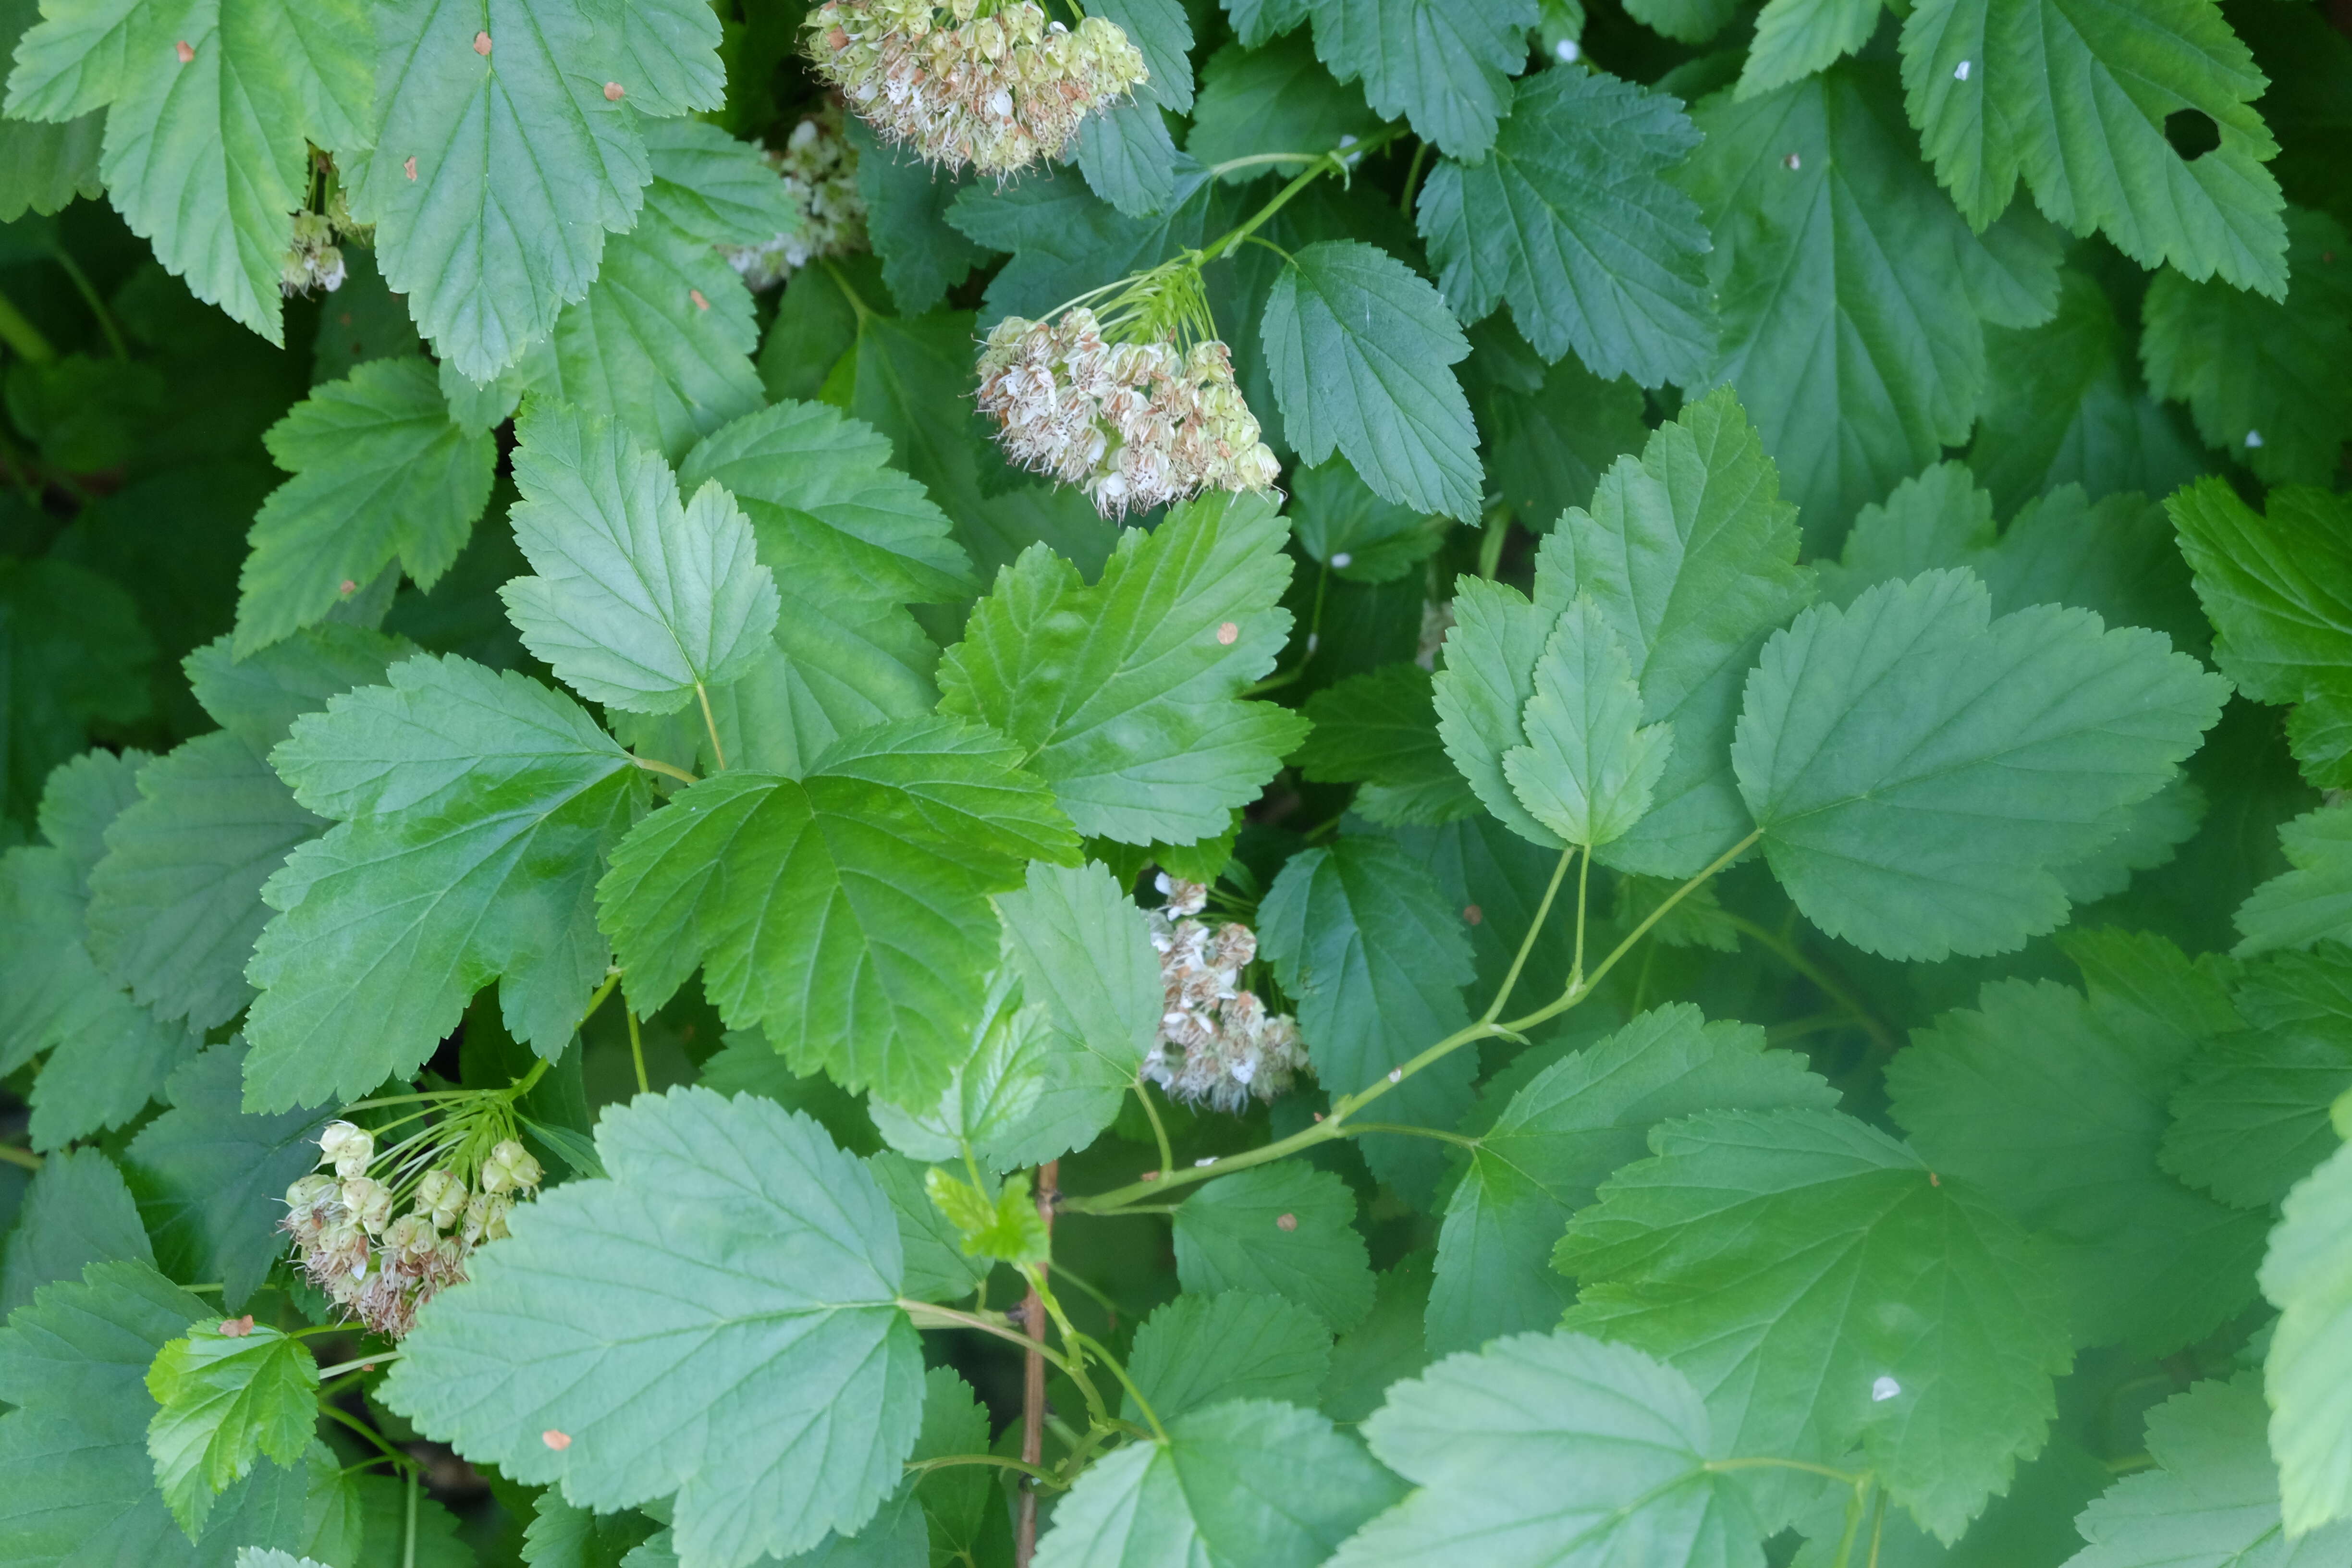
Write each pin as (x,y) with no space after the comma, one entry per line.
(1451,783)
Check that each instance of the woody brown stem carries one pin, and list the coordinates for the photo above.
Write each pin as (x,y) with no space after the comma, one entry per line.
(1032,1379)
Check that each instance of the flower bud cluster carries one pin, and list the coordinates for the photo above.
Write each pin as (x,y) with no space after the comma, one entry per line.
(379,1264)
(1217,1043)
(315,258)
(819,165)
(999,91)
(1132,424)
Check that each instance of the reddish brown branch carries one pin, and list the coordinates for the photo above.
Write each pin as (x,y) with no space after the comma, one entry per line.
(1033,1381)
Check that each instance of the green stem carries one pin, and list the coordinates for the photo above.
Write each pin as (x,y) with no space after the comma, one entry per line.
(653,766)
(334,1412)
(612,979)
(1413,178)
(1119,1372)
(1852,1531)
(408,1532)
(918,1467)
(1159,1129)
(1330,162)
(1490,546)
(1074,1342)
(522,1085)
(1527,943)
(636,1049)
(15,1156)
(17,331)
(1824,980)
(928,1315)
(1406,1129)
(90,296)
(1583,882)
(718,751)
(1230,165)
(1877,1525)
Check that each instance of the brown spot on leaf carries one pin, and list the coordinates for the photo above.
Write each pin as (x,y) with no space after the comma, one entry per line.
(183,51)
(409,168)
(1472,914)
(1229,634)
(1285,1222)
(559,1441)
(237,1328)
(699,303)
(348,586)
(482,44)
(615,92)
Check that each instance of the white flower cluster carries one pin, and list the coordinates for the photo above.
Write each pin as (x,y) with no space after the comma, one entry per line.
(819,169)
(1217,1044)
(379,1268)
(314,260)
(999,90)
(1132,424)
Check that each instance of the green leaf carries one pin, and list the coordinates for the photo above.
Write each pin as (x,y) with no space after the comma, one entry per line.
(381,474)
(2056,1107)
(937,1268)
(107,1056)
(383,1512)
(640,602)
(210,1177)
(1686,21)
(717,1318)
(1559,1139)
(714,188)
(2306,1275)
(1338,521)
(1066,240)
(474,810)
(1230,1236)
(832,517)
(1571,219)
(660,342)
(2213,1496)
(1373,954)
(1554,1449)
(82,798)
(1908,805)
(1855,300)
(1776,1259)
(2074,99)
(2064,403)
(1691,556)
(1445,68)
(1587,772)
(1125,152)
(2275,587)
(906,202)
(564,1535)
(2270,380)
(667,56)
(1247,1482)
(175,907)
(1273,100)
(1004,1225)
(1386,1346)
(913,381)
(1380,727)
(1256,21)
(1069,1014)
(76,1211)
(851,919)
(257,697)
(225,1401)
(1199,1351)
(1794,38)
(1547,441)
(2313,899)
(2250,1118)
(76,1484)
(43,167)
(1126,693)
(74,654)
(1359,347)
(205,153)
(522,166)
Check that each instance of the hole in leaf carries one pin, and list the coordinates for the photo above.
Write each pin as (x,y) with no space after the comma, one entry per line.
(2191,132)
